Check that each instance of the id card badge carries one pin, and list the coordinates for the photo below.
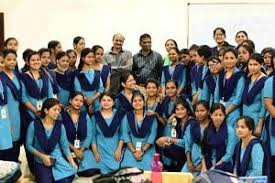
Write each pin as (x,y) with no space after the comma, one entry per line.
(138,146)
(39,105)
(55,96)
(77,143)
(222,102)
(4,113)
(173,133)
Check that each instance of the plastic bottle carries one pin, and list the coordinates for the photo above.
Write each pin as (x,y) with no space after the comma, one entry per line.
(156,167)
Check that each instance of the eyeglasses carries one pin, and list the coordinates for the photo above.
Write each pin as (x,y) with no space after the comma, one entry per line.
(213,64)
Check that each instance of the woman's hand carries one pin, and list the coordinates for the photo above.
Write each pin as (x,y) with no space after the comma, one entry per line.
(162,141)
(47,161)
(117,155)
(78,154)
(97,156)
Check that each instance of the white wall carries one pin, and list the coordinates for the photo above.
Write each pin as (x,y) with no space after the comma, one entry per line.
(35,22)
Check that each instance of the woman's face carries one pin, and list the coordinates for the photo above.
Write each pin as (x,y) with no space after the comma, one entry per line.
(219,37)
(218,117)
(89,58)
(243,55)
(169,44)
(58,48)
(138,103)
(171,89)
(201,112)
(99,55)
(77,102)
(12,44)
(107,102)
(267,59)
(80,45)
(10,61)
(130,83)
(63,63)
(72,59)
(180,111)
(254,67)
(45,58)
(53,112)
(242,130)
(173,55)
(240,37)
(214,66)
(2,65)
(151,90)
(35,62)
(229,60)
(193,55)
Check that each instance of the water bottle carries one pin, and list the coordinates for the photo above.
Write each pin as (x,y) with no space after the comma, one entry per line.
(156,167)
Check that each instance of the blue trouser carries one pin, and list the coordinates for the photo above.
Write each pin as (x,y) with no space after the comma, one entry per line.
(44,174)
(11,154)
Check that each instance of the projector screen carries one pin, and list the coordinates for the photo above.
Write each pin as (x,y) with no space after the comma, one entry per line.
(256,19)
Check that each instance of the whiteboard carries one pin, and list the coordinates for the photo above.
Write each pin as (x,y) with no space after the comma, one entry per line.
(257,19)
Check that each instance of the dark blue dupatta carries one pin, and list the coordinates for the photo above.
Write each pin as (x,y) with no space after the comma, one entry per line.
(216,140)
(47,144)
(3,92)
(165,107)
(106,69)
(125,104)
(71,131)
(176,74)
(242,166)
(32,87)
(65,80)
(17,93)
(211,83)
(196,76)
(145,127)
(85,84)
(249,95)
(109,131)
(226,87)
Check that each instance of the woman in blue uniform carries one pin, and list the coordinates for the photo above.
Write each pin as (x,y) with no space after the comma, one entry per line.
(88,80)
(36,88)
(123,99)
(64,78)
(174,71)
(107,142)
(172,142)
(249,157)
(230,86)
(219,35)
(253,95)
(192,146)
(209,84)
(139,134)
(47,141)
(218,142)
(12,95)
(199,71)
(5,127)
(105,70)
(78,129)
(269,103)
(244,53)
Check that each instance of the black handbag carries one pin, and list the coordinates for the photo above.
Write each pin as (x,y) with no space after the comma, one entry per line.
(123,175)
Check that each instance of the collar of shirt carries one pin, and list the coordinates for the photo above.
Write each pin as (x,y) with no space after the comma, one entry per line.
(140,53)
(111,51)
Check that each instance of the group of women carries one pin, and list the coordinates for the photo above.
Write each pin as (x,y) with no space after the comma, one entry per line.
(213,108)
